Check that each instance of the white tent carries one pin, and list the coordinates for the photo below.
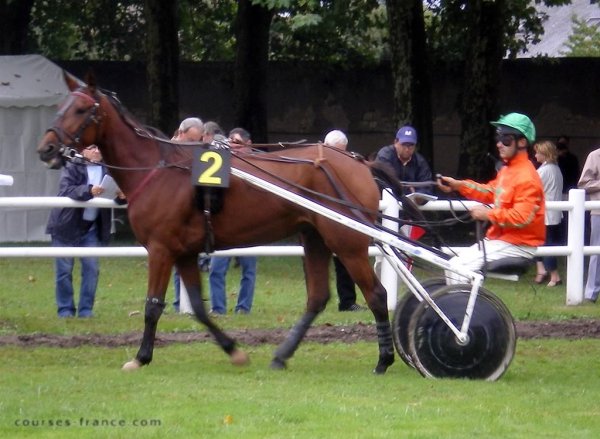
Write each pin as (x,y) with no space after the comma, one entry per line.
(30,89)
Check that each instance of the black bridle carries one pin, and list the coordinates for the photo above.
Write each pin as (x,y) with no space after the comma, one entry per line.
(68,143)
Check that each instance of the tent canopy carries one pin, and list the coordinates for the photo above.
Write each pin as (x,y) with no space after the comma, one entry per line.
(30,81)
(31,87)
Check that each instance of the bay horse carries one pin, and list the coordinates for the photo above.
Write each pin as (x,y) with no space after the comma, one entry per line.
(154,175)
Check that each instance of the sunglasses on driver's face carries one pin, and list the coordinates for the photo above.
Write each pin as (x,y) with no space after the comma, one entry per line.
(505,139)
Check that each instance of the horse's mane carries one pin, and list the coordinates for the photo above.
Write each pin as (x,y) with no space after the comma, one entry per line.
(143,130)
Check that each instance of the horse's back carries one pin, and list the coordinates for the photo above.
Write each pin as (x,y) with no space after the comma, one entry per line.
(323,175)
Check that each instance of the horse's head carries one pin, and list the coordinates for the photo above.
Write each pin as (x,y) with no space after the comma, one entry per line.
(77,124)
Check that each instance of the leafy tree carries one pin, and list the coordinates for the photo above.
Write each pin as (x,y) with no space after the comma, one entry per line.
(92,30)
(14,20)
(251,66)
(343,32)
(162,52)
(410,69)
(474,36)
(205,30)
(585,39)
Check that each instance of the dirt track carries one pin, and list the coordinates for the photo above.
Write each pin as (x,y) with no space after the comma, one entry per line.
(568,329)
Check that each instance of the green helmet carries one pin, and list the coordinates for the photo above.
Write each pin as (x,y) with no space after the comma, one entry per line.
(519,122)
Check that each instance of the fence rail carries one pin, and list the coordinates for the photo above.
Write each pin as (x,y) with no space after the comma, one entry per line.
(574,250)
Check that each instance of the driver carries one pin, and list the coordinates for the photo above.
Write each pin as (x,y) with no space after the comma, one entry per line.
(516,217)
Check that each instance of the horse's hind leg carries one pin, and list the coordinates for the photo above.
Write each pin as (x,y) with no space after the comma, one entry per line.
(188,270)
(316,272)
(361,271)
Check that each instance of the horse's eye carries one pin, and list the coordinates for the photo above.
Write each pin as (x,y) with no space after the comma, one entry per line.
(81,110)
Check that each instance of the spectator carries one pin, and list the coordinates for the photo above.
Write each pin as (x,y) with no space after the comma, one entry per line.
(552,181)
(517,195)
(213,131)
(568,164)
(239,140)
(409,165)
(590,182)
(570,169)
(346,290)
(79,227)
(190,130)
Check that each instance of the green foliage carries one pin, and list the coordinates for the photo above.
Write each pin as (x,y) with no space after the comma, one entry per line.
(93,30)
(304,30)
(205,31)
(448,26)
(347,33)
(585,39)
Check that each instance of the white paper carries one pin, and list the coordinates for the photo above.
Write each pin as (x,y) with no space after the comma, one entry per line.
(110,187)
(6,180)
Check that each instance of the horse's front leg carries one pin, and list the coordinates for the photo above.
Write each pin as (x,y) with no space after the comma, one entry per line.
(316,271)
(160,264)
(187,267)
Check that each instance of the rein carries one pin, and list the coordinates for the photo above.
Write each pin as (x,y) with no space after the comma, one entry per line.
(69,152)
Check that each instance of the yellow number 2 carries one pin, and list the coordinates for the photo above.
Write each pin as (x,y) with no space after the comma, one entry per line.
(208,176)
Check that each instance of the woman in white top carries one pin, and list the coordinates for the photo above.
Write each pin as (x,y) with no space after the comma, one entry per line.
(547,154)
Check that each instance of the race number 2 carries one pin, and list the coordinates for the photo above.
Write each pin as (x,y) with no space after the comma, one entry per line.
(211,167)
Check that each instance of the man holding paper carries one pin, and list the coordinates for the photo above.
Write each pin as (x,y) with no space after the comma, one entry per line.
(80,227)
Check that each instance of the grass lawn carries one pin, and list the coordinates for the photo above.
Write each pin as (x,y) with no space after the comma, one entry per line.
(191,390)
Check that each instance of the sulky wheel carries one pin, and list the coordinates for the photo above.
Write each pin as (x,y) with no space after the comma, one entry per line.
(435,350)
(402,314)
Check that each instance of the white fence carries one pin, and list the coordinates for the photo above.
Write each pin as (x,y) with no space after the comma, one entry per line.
(574,250)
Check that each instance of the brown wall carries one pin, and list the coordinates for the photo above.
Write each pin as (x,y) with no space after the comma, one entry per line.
(305,101)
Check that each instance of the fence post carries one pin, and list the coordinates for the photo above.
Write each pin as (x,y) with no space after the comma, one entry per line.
(388,277)
(575,241)
(185,306)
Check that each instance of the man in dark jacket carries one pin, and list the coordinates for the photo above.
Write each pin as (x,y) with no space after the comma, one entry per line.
(79,227)
(409,165)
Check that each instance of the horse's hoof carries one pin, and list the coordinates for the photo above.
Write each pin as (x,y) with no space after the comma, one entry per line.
(277,364)
(239,358)
(383,364)
(132,365)
(380,370)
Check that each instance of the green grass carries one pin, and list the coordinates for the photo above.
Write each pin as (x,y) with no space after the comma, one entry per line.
(191,390)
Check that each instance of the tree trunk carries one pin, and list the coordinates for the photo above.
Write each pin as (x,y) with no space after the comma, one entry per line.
(251,68)
(478,104)
(162,48)
(14,23)
(410,71)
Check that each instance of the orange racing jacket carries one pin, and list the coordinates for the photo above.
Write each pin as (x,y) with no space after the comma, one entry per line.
(517,195)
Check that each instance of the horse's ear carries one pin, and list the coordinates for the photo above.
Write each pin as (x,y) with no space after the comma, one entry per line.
(90,79)
(71,81)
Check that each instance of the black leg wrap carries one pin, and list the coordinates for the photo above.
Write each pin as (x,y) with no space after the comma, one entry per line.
(291,343)
(386,347)
(153,311)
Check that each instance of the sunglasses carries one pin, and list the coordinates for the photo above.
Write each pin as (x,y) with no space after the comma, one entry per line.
(506,139)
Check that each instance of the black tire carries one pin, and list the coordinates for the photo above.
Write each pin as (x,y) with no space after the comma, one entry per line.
(402,314)
(435,351)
